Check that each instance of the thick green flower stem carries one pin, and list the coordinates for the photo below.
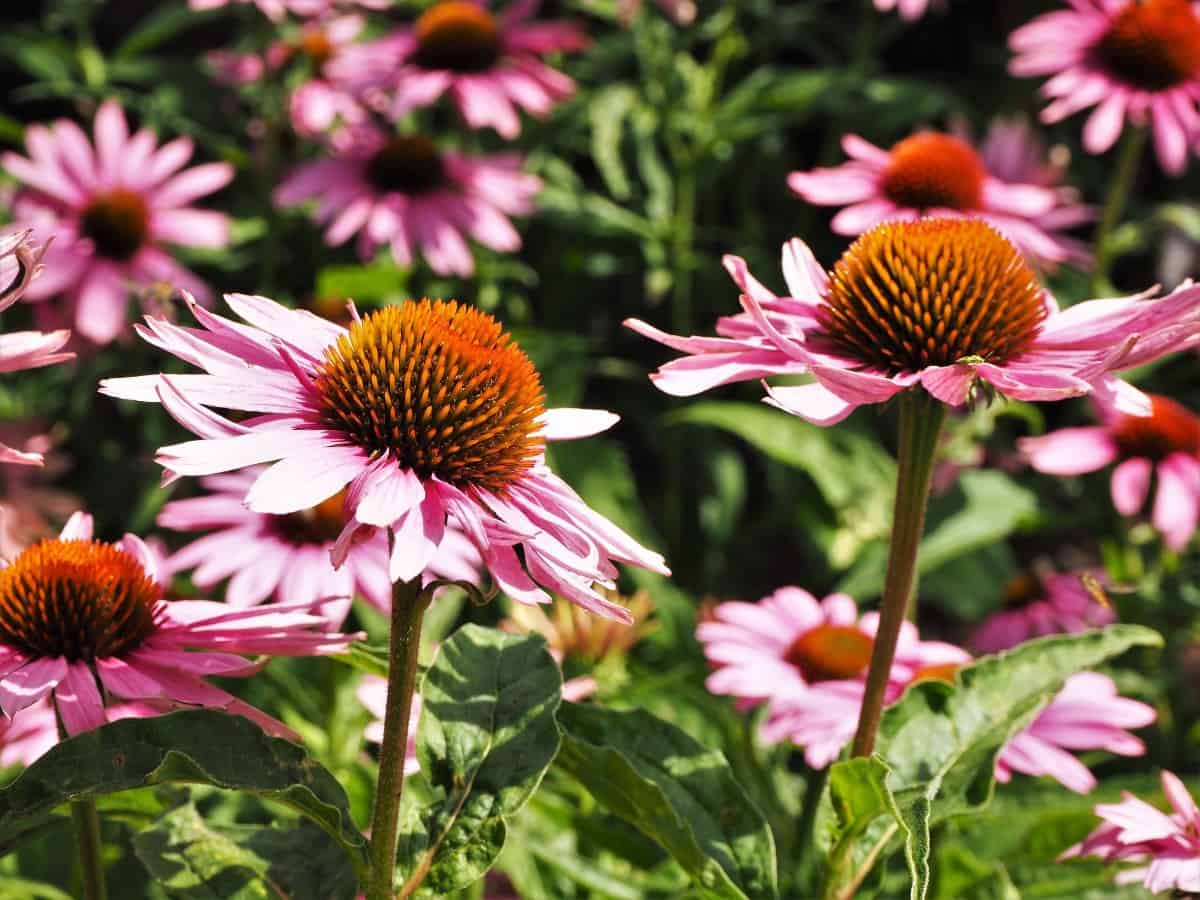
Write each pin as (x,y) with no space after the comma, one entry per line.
(87,833)
(409,603)
(1129,159)
(921,418)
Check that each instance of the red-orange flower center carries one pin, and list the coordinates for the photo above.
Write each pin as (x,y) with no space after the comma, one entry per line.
(316,45)
(118,223)
(931,170)
(939,672)
(1023,589)
(457,35)
(1170,428)
(320,524)
(441,388)
(81,600)
(830,653)
(1152,45)
(907,295)
(408,164)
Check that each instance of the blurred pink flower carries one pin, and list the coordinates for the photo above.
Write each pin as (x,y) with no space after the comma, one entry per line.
(289,556)
(910,10)
(108,210)
(74,609)
(28,500)
(488,63)
(1165,444)
(1135,831)
(681,12)
(27,735)
(931,173)
(372,693)
(1057,603)
(404,192)
(354,408)
(975,312)
(1134,60)
(277,9)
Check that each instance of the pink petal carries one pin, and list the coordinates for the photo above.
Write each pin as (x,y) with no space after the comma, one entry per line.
(566,424)
(1177,501)
(78,701)
(812,402)
(302,481)
(30,683)
(101,304)
(1131,484)
(1069,451)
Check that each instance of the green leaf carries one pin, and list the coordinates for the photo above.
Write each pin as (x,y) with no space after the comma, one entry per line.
(195,746)
(940,741)
(374,282)
(486,737)
(608,108)
(675,791)
(851,825)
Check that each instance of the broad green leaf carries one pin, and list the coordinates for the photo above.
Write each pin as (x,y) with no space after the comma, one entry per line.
(607,109)
(195,746)
(193,860)
(675,791)
(940,741)
(376,281)
(487,735)
(852,828)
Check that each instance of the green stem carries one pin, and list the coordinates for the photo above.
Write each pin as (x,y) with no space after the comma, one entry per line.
(408,607)
(814,788)
(1129,159)
(87,834)
(921,418)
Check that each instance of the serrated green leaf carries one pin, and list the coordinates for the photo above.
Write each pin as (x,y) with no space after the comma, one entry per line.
(675,791)
(486,737)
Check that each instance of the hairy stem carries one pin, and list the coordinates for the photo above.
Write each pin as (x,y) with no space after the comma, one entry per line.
(87,834)
(1129,158)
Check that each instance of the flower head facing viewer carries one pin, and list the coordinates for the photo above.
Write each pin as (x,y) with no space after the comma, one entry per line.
(937,305)
(1135,61)
(81,619)
(426,413)
(109,207)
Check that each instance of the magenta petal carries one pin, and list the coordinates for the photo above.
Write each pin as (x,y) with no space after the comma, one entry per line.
(1131,484)
(812,402)
(1177,501)
(30,683)
(78,701)
(950,384)
(1069,451)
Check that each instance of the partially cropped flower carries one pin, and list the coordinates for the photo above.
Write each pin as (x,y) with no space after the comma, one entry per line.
(1164,445)
(277,9)
(109,210)
(1167,845)
(424,412)
(372,693)
(681,12)
(488,63)
(936,304)
(27,735)
(29,499)
(74,610)
(1136,61)
(910,10)
(1057,603)
(318,104)
(936,174)
(402,191)
(288,557)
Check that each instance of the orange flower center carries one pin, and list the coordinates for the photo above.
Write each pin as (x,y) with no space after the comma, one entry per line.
(1170,428)
(1152,45)
(320,524)
(316,45)
(940,672)
(407,164)
(830,653)
(1022,589)
(441,388)
(931,170)
(118,223)
(457,35)
(81,600)
(907,295)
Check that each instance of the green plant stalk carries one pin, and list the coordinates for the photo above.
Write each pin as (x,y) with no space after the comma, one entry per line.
(921,418)
(815,782)
(1129,158)
(409,603)
(87,834)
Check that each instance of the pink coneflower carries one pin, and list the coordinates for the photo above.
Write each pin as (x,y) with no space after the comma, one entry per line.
(936,303)
(109,210)
(931,173)
(404,192)
(1087,714)
(910,10)
(1135,60)
(28,500)
(488,63)
(1135,831)
(288,557)
(424,412)
(277,9)
(1164,444)
(372,693)
(1058,603)
(75,609)
(27,735)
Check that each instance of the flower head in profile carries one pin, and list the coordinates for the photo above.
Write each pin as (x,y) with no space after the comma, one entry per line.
(82,622)
(936,174)
(288,557)
(404,192)
(939,305)
(372,693)
(1163,446)
(1135,61)
(1055,603)
(425,413)
(109,208)
(489,63)
(1166,845)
